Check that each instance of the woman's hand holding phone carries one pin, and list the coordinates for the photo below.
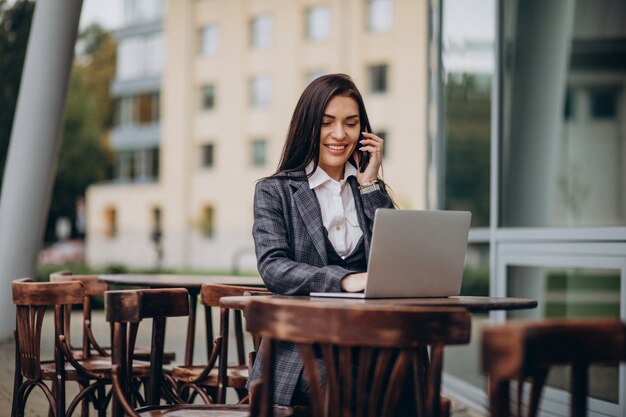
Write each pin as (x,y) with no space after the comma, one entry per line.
(372,146)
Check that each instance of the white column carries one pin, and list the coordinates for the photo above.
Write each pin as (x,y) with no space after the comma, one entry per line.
(538,76)
(35,139)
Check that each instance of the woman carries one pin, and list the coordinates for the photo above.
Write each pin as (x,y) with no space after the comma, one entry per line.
(313,218)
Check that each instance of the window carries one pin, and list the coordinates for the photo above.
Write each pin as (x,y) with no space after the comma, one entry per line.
(142,110)
(259,153)
(147,108)
(318,23)
(261,91)
(142,10)
(207,221)
(110,222)
(379,15)
(152,165)
(137,165)
(140,56)
(124,114)
(377,78)
(206,155)
(261,32)
(209,40)
(208,97)
(466,154)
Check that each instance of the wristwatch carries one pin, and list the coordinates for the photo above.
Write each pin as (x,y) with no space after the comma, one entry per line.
(369,187)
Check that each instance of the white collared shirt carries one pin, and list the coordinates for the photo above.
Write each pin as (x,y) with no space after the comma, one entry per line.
(338,209)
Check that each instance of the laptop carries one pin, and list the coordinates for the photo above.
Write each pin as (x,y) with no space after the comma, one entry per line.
(414,253)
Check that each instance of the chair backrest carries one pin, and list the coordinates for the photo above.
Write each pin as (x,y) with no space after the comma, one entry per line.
(371,354)
(125,310)
(92,288)
(526,351)
(31,299)
(210,294)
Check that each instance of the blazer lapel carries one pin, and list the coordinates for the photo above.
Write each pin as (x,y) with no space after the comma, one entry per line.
(360,212)
(310,213)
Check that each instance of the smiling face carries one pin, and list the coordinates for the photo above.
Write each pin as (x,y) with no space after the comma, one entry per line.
(339,135)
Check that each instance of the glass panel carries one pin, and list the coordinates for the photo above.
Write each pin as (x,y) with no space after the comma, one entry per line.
(261,91)
(208,97)
(467,55)
(378,78)
(209,40)
(129,61)
(140,56)
(318,22)
(464,361)
(154,55)
(207,155)
(136,11)
(571,293)
(564,160)
(467,144)
(379,15)
(261,32)
(259,153)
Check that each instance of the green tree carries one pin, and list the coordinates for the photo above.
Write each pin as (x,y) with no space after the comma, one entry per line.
(84,157)
(14,30)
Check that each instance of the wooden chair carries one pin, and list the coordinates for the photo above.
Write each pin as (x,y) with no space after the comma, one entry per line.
(90,346)
(125,310)
(217,375)
(31,299)
(524,351)
(374,356)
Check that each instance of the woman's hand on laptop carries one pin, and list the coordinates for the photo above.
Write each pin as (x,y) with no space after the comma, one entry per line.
(354,282)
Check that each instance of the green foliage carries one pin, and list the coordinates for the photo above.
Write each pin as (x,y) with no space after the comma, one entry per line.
(84,157)
(14,30)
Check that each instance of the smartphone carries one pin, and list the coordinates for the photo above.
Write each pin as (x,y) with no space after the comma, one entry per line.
(364,157)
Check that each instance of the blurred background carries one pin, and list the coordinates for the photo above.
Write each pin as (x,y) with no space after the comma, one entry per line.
(514,110)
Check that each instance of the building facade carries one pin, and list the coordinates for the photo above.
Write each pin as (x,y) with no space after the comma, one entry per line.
(233,73)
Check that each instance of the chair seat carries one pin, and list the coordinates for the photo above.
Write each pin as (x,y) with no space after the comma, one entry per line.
(237,375)
(141,354)
(97,365)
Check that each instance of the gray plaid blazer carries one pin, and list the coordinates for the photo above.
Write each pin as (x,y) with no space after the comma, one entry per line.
(290,244)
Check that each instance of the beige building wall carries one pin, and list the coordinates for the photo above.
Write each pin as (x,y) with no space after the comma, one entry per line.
(228,186)
(119,224)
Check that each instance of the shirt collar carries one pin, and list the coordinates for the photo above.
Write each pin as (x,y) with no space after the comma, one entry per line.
(320,176)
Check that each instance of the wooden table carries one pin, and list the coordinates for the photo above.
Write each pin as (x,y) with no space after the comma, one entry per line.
(192,283)
(472,304)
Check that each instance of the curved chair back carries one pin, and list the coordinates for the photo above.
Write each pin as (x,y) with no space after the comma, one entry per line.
(31,299)
(125,310)
(92,288)
(371,354)
(527,350)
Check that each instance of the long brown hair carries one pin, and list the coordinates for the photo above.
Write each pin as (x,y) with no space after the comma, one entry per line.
(303,139)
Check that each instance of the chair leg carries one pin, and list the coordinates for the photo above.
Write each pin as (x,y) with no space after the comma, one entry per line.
(17,379)
(102,403)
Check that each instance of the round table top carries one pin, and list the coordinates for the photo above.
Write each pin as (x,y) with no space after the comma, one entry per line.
(175,280)
(473,304)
